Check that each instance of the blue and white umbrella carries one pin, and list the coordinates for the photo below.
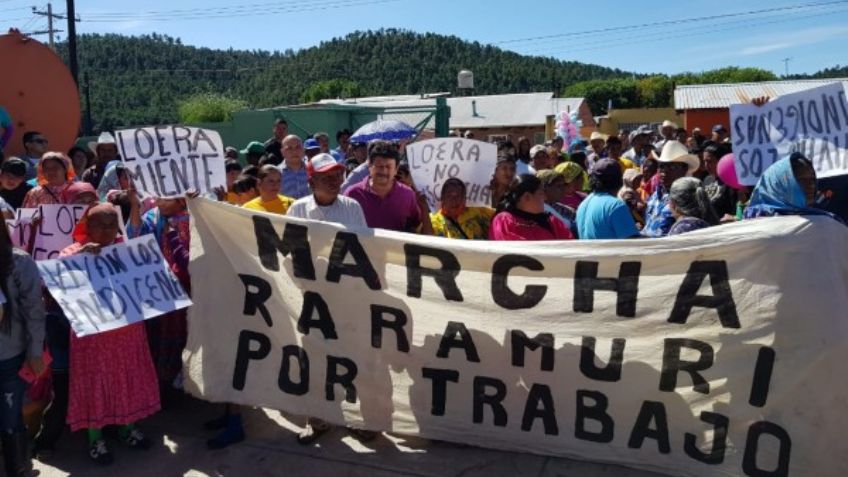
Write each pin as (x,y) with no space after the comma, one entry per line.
(384,129)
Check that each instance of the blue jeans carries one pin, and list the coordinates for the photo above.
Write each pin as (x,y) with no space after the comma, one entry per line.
(58,333)
(12,389)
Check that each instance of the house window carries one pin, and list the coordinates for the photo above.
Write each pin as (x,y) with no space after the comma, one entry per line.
(539,138)
(498,137)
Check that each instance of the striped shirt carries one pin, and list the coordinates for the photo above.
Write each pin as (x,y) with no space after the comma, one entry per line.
(5,209)
(344,210)
(355,176)
(295,183)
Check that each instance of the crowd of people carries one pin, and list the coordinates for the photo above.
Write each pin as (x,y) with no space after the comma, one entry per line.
(644,183)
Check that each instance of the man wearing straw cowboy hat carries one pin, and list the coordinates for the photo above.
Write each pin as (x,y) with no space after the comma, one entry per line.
(667,134)
(106,150)
(639,139)
(674,162)
(597,144)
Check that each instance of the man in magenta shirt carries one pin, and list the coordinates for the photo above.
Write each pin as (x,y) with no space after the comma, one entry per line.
(386,203)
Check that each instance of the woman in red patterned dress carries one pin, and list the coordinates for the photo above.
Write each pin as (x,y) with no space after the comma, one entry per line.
(112,378)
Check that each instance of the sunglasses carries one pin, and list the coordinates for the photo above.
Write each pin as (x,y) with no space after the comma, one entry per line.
(673,165)
(40,141)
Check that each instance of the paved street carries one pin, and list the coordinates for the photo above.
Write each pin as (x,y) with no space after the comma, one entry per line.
(271,449)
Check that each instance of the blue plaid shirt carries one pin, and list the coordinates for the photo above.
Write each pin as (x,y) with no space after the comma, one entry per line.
(295,183)
(658,216)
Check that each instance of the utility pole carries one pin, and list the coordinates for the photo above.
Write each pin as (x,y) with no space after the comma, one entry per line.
(87,125)
(50,16)
(72,40)
(786,66)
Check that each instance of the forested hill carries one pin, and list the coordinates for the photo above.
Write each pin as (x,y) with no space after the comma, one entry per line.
(140,80)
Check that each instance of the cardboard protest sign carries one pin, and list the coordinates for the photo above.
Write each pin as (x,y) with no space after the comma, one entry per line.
(54,233)
(19,227)
(168,161)
(713,353)
(434,161)
(125,283)
(813,122)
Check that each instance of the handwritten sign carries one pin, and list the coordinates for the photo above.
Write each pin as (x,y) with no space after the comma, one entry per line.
(123,284)
(813,122)
(54,233)
(434,161)
(168,161)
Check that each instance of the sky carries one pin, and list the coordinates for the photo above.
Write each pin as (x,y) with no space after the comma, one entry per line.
(655,37)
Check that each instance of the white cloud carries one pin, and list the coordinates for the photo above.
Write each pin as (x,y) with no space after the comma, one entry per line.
(790,39)
(756,50)
(128,25)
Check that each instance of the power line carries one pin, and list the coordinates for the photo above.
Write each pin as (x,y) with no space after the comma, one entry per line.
(649,37)
(202,15)
(673,22)
(541,45)
(286,65)
(29,22)
(207,10)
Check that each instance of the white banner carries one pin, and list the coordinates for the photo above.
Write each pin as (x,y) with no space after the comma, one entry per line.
(168,161)
(715,353)
(53,234)
(434,161)
(123,284)
(813,122)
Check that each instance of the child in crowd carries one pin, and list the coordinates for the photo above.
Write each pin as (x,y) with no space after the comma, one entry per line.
(244,189)
(13,185)
(631,196)
(233,169)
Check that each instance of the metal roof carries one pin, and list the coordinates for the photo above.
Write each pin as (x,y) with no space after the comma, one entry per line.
(506,110)
(719,96)
(501,110)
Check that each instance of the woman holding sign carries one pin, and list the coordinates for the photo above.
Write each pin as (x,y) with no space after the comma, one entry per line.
(21,340)
(55,175)
(169,223)
(521,214)
(112,378)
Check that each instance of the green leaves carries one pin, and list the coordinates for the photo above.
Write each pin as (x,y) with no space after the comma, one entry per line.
(209,108)
(331,89)
(656,91)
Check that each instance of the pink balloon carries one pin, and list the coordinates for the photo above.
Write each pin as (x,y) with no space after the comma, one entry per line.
(727,171)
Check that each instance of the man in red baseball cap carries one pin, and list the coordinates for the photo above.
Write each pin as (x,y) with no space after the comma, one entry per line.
(325,204)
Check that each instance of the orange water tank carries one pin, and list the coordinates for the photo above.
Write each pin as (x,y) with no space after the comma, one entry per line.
(39,93)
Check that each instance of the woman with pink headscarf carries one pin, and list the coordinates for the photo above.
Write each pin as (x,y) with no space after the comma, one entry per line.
(112,378)
(55,175)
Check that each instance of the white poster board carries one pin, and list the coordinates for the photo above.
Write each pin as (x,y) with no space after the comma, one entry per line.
(168,161)
(54,233)
(433,161)
(125,283)
(813,122)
